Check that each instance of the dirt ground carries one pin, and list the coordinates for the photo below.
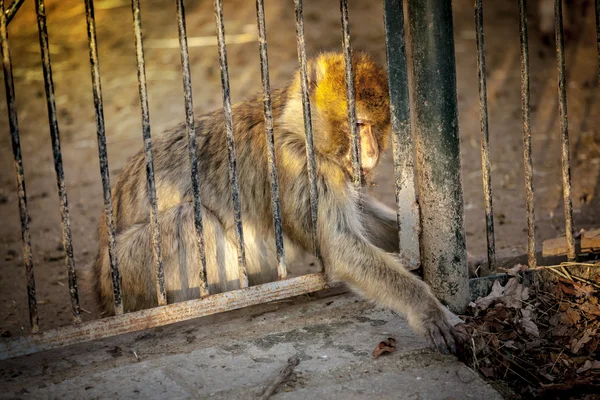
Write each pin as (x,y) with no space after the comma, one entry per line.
(70,64)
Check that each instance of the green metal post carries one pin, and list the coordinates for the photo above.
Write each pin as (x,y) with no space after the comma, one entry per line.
(443,249)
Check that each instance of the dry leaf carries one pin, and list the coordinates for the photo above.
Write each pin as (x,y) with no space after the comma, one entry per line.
(583,290)
(573,315)
(512,295)
(576,345)
(386,346)
(589,365)
(516,269)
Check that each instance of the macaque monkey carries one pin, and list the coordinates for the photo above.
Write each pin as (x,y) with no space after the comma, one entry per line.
(357,241)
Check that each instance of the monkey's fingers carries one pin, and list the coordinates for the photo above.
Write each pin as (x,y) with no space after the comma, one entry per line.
(436,340)
(449,335)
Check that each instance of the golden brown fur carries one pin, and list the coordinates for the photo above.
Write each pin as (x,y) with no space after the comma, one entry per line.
(356,242)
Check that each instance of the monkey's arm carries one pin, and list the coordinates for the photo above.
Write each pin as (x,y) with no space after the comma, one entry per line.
(381,224)
(378,275)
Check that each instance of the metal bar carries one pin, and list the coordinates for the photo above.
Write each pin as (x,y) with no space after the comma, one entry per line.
(16,147)
(160,316)
(403,148)
(103,157)
(564,128)
(233,175)
(264,69)
(526,117)
(58,164)
(443,250)
(485,139)
(156,241)
(597,10)
(191,132)
(310,151)
(12,10)
(351,97)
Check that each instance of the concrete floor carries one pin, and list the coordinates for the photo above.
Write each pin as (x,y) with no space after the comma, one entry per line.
(235,355)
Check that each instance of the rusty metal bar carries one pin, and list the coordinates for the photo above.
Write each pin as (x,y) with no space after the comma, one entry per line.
(103,157)
(156,240)
(351,97)
(564,128)
(160,316)
(264,69)
(16,147)
(12,10)
(526,117)
(58,164)
(597,10)
(443,249)
(310,151)
(485,138)
(403,148)
(233,174)
(191,133)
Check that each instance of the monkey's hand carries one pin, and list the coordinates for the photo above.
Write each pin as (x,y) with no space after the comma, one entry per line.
(431,321)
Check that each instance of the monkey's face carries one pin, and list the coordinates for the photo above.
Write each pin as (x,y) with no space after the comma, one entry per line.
(333,135)
(370,148)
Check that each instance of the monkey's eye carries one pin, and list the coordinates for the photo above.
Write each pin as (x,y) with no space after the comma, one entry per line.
(360,122)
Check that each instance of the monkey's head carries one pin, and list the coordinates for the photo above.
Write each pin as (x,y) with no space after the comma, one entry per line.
(329,106)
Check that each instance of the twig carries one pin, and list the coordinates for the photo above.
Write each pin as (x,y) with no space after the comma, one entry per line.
(565,274)
(283,375)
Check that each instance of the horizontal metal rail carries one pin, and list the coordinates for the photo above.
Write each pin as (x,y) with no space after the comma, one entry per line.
(160,316)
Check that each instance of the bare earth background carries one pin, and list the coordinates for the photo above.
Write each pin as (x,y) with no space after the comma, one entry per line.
(70,64)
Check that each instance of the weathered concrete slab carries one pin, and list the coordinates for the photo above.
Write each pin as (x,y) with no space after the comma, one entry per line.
(236,354)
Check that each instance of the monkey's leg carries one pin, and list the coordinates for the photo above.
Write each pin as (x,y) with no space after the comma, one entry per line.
(381,224)
(181,260)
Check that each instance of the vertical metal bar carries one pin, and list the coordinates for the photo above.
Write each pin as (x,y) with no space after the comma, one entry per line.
(58,164)
(156,241)
(233,175)
(16,146)
(403,148)
(264,69)
(310,151)
(191,132)
(526,112)
(351,96)
(485,139)
(443,248)
(103,157)
(12,10)
(597,9)
(564,129)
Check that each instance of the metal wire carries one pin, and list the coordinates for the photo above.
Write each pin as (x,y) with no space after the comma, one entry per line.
(310,150)
(526,112)
(564,129)
(485,140)
(57,155)
(16,147)
(233,174)
(103,157)
(12,10)
(191,132)
(351,97)
(264,69)
(156,241)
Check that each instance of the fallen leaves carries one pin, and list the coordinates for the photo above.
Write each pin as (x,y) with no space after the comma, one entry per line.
(540,340)
(385,346)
